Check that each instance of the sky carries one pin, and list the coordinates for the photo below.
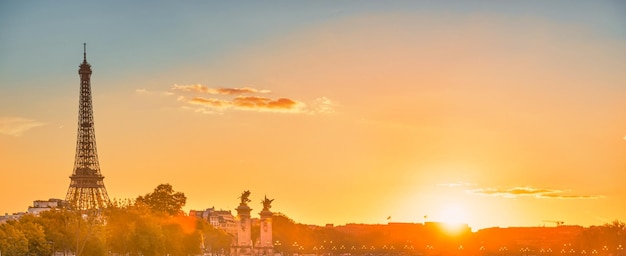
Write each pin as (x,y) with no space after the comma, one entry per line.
(491,113)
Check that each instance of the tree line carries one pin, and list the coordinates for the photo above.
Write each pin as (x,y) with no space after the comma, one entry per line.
(153,224)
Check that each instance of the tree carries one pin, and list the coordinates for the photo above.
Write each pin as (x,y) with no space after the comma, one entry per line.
(164,200)
(133,229)
(215,240)
(34,234)
(12,239)
(56,226)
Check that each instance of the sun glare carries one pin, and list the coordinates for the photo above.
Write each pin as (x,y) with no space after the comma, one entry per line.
(453,214)
(454,218)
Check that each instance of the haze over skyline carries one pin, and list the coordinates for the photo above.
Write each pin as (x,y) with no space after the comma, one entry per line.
(487,113)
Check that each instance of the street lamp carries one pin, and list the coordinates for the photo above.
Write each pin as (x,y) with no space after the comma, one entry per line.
(295,248)
(429,249)
(50,243)
(503,250)
(277,245)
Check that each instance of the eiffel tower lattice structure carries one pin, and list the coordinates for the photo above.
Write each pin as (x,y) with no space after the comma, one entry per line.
(86,189)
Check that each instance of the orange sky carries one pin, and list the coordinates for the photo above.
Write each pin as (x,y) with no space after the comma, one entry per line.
(479,116)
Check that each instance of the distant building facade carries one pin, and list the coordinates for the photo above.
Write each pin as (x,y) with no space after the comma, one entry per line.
(45,205)
(38,207)
(221,219)
(15,216)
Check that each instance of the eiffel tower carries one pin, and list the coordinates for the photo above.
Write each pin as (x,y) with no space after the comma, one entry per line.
(86,189)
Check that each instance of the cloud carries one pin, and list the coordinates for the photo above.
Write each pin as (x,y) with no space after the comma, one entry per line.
(236,98)
(250,103)
(216,103)
(16,126)
(142,91)
(529,191)
(557,196)
(217,91)
(323,105)
(265,103)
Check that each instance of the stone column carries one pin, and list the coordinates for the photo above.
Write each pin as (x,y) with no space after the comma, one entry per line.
(266,245)
(244,237)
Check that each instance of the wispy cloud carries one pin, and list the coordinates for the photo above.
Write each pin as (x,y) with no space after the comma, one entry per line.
(323,105)
(16,126)
(217,91)
(530,192)
(143,91)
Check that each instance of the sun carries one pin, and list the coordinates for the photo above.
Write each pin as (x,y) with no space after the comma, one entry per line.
(454,218)
(453,213)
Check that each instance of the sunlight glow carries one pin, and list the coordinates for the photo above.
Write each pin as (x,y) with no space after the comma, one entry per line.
(453,213)
(454,218)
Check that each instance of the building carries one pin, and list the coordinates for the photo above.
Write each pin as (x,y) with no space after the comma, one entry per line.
(45,205)
(221,219)
(38,207)
(14,216)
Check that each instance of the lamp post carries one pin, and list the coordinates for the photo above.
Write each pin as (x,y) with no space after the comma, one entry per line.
(429,249)
(277,245)
(295,248)
(50,243)
(503,250)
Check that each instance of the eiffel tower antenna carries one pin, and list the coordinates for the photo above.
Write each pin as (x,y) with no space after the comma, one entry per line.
(86,189)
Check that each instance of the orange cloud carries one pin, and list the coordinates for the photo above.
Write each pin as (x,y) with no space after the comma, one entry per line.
(216,103)
(237,91)
(250,103)
(529,191)
(222,101)
(262,102)
(217,91)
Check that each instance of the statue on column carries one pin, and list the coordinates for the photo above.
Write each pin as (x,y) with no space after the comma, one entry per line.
(267,204)
(266,245)
(244,197)
(243,244)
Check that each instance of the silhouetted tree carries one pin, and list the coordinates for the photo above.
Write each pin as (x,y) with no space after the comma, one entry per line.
(164,199)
